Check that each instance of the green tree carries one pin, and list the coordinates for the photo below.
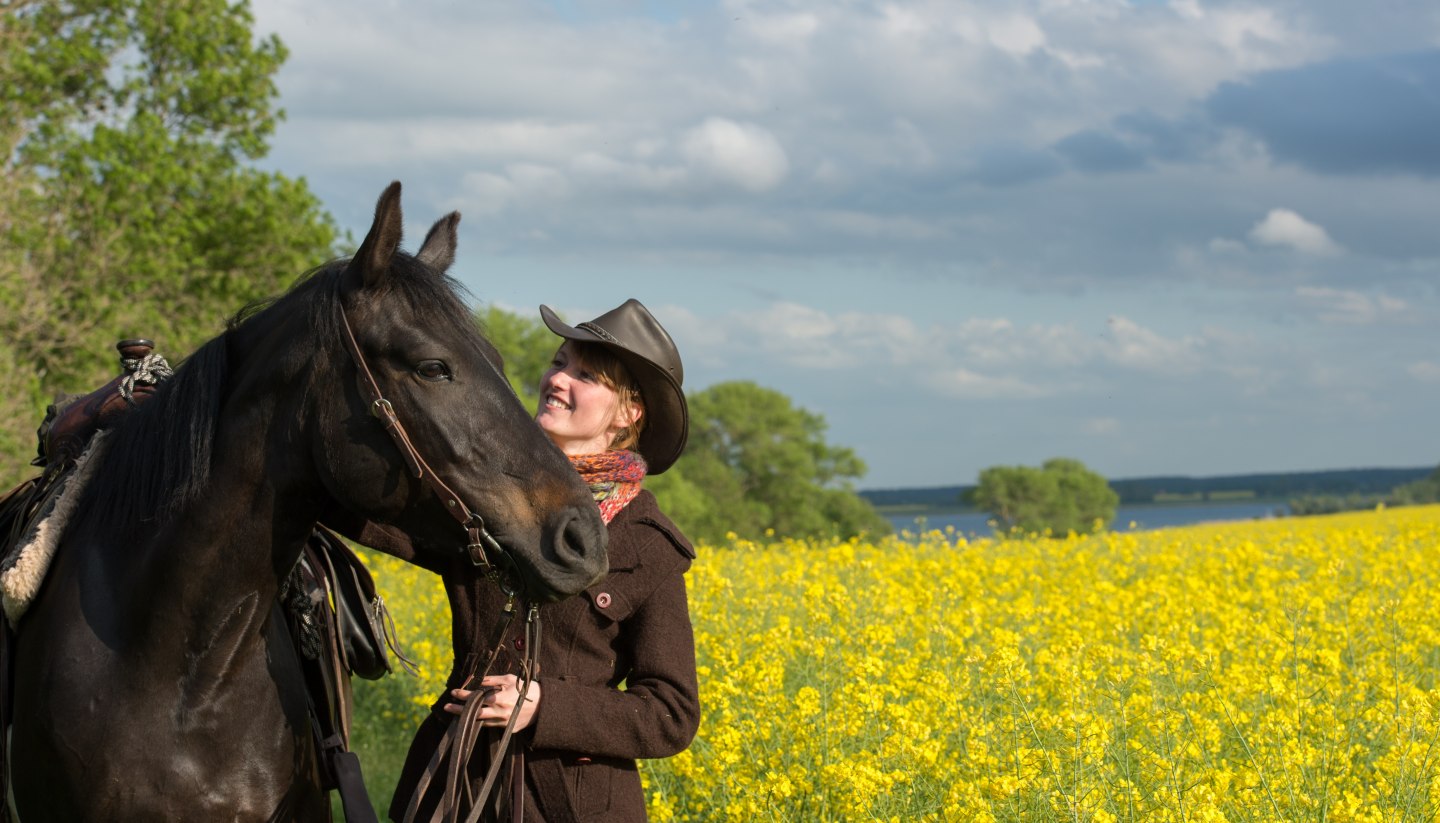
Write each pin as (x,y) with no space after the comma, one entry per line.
(1060,497)
(766,465)
(128,202)
(527,346)
(1424,490)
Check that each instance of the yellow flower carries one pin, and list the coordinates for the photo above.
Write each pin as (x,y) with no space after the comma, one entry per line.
(1280,669)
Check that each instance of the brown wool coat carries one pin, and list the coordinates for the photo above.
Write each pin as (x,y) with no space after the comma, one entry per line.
(631,628)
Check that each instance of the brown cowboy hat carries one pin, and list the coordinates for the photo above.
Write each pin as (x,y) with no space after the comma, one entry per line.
(647,351)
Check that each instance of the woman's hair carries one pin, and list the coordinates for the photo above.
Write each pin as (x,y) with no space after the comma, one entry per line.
(612,374)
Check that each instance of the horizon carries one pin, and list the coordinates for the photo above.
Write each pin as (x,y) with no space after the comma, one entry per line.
(1221,476)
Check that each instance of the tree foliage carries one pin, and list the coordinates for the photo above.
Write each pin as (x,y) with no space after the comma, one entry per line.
(128,202)
(766,466)
(754,463)
(1424,490)
(527,346)
(1060,497)
(1417,492)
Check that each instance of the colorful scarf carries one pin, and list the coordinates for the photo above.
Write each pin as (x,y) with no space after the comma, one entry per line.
(613,477)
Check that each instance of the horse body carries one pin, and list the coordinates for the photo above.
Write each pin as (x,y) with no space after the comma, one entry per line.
(166,684)
(154,680)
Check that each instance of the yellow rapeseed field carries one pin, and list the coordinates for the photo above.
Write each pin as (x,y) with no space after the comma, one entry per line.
(1270,670)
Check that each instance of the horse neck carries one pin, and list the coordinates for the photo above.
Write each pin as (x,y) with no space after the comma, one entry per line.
(236,541)
(244,535)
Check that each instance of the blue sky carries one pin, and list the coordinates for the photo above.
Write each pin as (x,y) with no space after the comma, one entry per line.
(1163,238)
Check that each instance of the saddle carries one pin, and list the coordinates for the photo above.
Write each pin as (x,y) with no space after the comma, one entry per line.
(336,620)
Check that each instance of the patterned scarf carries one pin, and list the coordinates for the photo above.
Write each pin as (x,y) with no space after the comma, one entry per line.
(613,477)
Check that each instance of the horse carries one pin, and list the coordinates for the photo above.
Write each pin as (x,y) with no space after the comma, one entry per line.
(153,680)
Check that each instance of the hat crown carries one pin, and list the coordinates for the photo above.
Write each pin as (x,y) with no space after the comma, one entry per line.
(632,327)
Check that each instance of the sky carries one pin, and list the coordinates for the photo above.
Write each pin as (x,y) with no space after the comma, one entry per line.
(1163,238)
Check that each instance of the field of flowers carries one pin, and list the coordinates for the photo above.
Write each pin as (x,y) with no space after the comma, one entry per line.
(1270,670)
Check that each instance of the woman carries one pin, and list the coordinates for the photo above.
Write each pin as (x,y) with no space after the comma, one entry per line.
(612,401)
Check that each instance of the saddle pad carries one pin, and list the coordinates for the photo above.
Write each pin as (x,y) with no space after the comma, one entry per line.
(23,570)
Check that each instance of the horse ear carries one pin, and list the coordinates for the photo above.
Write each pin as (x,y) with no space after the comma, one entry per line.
(372,260)
(438,250)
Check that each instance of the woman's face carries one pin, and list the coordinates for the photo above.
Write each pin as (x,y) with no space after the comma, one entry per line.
(581,414)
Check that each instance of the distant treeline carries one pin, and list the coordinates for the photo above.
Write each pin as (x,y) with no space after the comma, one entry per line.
(1352,483)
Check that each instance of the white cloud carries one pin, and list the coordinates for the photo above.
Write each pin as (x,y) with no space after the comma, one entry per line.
(603,171)
(879,226)
(1016,34)
(1351,308)
(1224,245)
(525,183)
(977,357)
(998,343)
(782,30)
(1426,371)
(1101,426)
(742,154)
(1250,34)
(1131,345)
(486,193)
(1285,228)
(809,337)
(962,382)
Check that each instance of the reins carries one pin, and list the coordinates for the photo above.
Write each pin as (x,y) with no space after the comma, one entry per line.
(461,736)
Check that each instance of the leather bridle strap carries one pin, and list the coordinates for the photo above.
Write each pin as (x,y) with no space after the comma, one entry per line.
(481,543)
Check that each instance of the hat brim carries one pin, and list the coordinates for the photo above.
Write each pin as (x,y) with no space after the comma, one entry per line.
(666,431)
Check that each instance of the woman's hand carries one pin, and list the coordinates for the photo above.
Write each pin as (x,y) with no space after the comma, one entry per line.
(500,693)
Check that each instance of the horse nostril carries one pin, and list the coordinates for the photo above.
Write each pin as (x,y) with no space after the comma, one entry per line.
(578,541)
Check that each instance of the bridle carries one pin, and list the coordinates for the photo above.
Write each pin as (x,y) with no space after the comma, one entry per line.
(481,545)
(486,553)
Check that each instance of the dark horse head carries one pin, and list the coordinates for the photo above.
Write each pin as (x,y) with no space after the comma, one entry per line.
(150,682)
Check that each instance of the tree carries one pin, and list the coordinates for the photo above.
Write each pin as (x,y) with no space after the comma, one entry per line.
(527,346)
(127,203)
(754,461)
(1424,490)
(1060,497)
(766,466)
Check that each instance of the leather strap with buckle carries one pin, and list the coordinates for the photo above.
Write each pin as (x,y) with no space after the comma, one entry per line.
(481,545)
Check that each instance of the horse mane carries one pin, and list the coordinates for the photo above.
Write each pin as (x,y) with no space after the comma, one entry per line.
(159,456)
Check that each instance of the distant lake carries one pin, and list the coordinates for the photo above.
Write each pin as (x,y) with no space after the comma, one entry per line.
(1144,517)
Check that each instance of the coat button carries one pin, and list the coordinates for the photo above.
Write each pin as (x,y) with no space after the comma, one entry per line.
(519,644)
(603,600)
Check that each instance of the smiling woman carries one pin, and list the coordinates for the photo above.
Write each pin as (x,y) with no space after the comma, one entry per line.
(612,401)
(588,401)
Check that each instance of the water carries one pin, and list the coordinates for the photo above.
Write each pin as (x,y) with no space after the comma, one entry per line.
(1144,517)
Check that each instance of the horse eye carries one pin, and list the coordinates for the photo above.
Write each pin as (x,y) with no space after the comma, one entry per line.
(433,370)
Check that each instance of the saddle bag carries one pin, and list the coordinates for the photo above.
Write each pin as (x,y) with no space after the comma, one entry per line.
(339,625)
(332,580)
